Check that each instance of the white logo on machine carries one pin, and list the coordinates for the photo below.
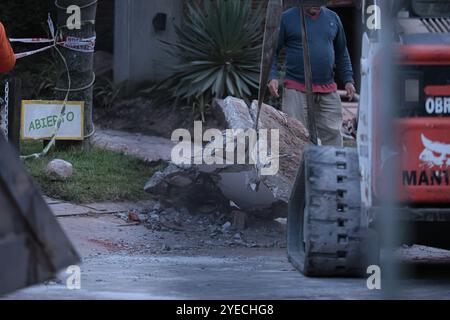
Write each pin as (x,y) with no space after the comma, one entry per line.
(436,154)
(438,105)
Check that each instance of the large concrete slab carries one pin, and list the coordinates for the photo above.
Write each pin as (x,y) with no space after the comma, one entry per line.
(64,209)
(68,209)
(148,148)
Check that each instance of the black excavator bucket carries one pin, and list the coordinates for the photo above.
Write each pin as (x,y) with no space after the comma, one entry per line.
(33,246)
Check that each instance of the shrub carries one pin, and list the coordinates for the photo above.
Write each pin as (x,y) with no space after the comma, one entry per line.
(219,49)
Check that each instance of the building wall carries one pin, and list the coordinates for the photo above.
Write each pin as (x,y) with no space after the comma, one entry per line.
(104,25)
(139,54)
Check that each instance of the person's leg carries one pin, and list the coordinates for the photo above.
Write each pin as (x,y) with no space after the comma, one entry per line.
(294,105)
(329,119)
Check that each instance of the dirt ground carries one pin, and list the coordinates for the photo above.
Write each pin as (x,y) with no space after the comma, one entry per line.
(141,116)
(117,235)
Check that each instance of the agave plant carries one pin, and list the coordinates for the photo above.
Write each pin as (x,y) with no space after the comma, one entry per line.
(106,92)
(219,49)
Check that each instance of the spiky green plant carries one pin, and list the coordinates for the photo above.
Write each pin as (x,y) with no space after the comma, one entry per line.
(219,49)
(106,92)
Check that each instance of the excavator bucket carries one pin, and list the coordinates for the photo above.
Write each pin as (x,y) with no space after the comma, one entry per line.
(33,246)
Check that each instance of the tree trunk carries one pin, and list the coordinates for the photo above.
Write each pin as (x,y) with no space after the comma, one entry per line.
(80,64)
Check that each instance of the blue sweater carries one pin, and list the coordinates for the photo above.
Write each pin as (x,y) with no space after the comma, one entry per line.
(327,45)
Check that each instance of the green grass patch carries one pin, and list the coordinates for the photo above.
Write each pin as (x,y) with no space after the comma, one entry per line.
(99,175)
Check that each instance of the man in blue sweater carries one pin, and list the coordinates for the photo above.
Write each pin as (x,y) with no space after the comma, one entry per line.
(328,49)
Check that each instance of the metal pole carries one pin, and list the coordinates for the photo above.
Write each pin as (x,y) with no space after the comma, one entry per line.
(308,80)
(14,115)
(270,43)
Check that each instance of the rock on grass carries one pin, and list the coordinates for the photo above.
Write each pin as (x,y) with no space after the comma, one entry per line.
(59,170)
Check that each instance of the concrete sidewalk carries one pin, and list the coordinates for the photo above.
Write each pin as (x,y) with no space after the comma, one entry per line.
(148,148)
(65,209)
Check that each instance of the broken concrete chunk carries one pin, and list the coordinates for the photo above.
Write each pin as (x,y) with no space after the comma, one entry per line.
(207,208)
(214,187)
(181,181)
(233,113)
(154,216)
(187,188)
(226,227)
(239,220)
(294,137)
(158,207)
(157,184)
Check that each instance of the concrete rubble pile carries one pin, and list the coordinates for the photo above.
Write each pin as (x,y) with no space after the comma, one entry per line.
(224,187)
(350,115)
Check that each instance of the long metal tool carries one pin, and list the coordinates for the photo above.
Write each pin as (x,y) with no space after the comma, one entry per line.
(312,127)
(271,33)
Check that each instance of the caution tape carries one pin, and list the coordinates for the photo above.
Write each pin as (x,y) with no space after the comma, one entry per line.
(72,43)
(80,45)
(31,40)
(85,45)
(30,53)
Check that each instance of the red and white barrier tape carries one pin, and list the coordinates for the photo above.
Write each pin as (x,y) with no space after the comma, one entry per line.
(86,45)
(30,53)
(32,40)
(81,45)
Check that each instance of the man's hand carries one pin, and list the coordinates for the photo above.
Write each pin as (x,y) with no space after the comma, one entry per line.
(351,91)
(274,86)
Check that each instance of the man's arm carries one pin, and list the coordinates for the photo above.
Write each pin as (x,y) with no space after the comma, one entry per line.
(343,62)
(273,79)
(7,57)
